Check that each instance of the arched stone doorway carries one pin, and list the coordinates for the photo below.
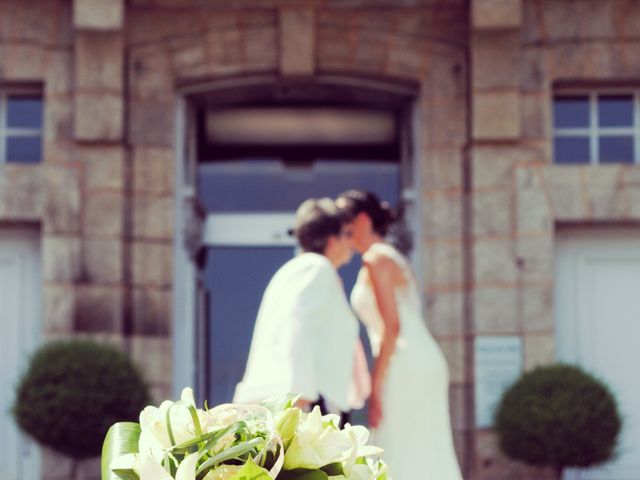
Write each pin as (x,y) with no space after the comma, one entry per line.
(252,154)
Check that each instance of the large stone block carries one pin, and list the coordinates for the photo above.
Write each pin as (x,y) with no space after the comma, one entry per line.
(150,71)
(154,356)
(534,215)
(536,119)
(454,352)
(35,23)
(61,209)
(98,309)
(99,61)
(104,214)
(493,164)
(59,74)
(98,14)
(441,169)
(442,217)
(153,217)
(538,308)
(153,170)
(606,196)
(152,311)
(444,263)
(225,47)
(566,191)
(61,259)
(496,115)
(494,263)
(445,73)
(631,176)
(444,121)
(152,123)
(261,47)
(22,63)
(58,127)
(58,309)
(496,59)
(534,74)
(539,349)
(370,52)
(496,310)
(102,260)
(492,464)
(152,264)
(492,213)
(579,20)
(496,14)
(187,54)
(297,41)
(457,406)
(634,202)
(534,257)
(406,58)
(445,313)
(104,167)
(98,116)
(22,192)
(331,51)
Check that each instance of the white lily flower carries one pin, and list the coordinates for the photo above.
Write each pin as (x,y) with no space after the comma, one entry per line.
(154,428)
(359,436)
(151,470)
(315,445)
(287,424)
(187,468)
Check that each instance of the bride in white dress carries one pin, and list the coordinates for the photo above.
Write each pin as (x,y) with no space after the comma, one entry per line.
(409,406)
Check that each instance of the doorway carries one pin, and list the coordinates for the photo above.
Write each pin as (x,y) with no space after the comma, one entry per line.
(597,325)
(20,297)
(247,158)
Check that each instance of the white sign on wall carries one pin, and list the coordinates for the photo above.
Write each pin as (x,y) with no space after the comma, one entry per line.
(498,363)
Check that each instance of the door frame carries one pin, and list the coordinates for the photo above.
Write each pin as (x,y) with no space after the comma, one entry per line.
(27,238)
(571,344)
(185,283)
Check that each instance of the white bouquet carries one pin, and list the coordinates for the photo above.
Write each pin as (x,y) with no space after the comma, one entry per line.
(274,440)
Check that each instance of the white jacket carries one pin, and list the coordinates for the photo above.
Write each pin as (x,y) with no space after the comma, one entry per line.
(304,338)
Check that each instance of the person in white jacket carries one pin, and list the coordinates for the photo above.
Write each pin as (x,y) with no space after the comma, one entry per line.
(305,338)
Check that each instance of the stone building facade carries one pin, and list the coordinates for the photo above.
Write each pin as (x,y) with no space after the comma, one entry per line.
(110,204)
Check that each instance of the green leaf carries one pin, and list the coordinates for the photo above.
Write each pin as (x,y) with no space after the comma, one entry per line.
(251,471)
(333,469)
(303,474)
(122,438)
(229,453)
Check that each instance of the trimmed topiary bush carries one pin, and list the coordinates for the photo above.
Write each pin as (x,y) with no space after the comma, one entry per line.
(558,416)
(73,391)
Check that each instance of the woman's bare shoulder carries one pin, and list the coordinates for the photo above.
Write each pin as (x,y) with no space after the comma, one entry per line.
(380,261)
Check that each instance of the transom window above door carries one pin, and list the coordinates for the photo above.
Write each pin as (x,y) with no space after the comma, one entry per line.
(20,126)
(596,127)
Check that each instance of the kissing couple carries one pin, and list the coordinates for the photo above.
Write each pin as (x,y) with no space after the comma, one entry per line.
(306,341)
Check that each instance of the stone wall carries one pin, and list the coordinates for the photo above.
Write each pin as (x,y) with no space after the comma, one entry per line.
(104,194)
(519,196)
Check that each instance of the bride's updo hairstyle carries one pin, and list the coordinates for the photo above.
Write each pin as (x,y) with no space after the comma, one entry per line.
(381,214)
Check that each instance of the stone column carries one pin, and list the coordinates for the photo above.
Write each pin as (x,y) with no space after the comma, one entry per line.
(98,122)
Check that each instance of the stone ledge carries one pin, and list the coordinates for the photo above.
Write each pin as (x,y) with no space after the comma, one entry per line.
(496,115)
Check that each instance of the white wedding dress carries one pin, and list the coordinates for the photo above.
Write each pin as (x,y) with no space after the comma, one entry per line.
(415,430)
